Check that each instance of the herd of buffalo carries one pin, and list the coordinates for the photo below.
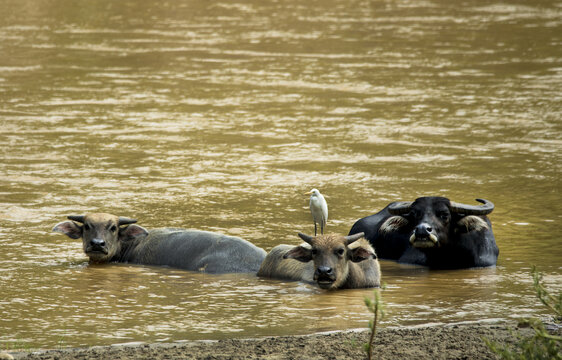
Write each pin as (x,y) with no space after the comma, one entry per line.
(430,231)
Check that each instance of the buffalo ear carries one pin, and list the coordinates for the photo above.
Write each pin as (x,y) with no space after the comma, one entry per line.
(360,253)
(69,228)
(131,232)
(471,223)
(299,253)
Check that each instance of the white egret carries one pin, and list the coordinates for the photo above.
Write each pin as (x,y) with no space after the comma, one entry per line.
(318,209)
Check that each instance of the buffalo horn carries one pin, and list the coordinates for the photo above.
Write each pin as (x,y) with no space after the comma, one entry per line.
(126,221)
(485,209)
(306,238)
(399,208)
(351,238)
(77,218)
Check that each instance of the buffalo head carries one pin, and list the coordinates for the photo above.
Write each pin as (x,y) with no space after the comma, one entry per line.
(331,255)
(433,221)
(102,234)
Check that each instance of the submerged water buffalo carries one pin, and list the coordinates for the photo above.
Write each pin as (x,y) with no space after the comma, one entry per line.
(109,238)
(433,231)
(331,261)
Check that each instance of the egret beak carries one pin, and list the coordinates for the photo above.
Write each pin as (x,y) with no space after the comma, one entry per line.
(308,193)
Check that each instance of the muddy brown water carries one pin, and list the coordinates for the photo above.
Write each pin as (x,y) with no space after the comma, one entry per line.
(220,115)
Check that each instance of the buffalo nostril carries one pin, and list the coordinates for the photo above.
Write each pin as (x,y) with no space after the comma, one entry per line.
(423,230)
(97,242)
(325,270)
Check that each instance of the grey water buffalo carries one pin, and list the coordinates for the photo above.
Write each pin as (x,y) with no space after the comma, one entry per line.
(331,261)
(109,238)
(433,231)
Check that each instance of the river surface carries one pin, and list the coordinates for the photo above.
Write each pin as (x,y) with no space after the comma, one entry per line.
(220,115)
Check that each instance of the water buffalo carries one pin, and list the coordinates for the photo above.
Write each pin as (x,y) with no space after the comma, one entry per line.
(332,261)
(432,231)
(109,238)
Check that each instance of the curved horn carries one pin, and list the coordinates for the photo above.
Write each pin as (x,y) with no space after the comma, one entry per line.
(126,221)
(352,238)
(485,209)
(399,208)
(77,218)
(306,238)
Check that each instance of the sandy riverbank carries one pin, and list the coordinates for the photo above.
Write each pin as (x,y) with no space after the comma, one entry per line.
(458,341)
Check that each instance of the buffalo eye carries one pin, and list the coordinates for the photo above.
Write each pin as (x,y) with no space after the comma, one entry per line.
(340,252)
(113,228)
(443,216)
(314,251)
(86,227)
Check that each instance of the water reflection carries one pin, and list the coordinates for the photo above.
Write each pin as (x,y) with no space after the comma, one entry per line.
(217,116)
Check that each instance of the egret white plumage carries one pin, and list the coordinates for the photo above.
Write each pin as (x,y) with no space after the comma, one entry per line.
(318,209)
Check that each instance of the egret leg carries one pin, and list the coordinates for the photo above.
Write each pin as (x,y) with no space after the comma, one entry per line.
(315,229)
(322,228)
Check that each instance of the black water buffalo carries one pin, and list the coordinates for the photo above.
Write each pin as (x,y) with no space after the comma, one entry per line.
(432,231)
(109,238)
(331,261)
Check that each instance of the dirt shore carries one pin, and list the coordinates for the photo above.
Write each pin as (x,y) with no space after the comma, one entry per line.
(457,341)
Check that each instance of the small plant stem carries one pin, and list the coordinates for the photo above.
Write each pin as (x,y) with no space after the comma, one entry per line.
(373,331)
(552,337)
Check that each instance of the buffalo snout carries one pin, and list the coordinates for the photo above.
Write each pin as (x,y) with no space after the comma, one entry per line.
(423,230)
(97,242)
(324,274)
(424,236)
(97,245)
